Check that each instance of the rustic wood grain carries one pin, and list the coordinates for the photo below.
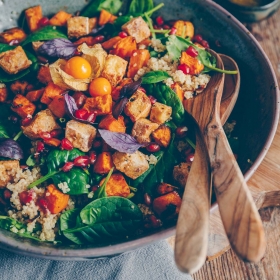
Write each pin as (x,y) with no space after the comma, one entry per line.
(265,182)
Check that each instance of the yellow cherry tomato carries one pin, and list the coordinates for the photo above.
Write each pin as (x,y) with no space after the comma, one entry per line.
(100,86)
(78,68)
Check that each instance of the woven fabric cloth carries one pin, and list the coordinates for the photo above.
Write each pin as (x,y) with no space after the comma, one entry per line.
(154,262)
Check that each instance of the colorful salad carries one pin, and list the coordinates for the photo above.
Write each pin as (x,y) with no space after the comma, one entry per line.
(95,146)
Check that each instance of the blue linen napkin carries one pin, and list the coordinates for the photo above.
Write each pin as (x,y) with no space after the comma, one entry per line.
(154,262)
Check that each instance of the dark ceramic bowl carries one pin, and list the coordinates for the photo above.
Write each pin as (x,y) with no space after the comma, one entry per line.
(256,111)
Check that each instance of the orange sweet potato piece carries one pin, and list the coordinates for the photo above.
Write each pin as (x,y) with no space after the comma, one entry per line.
(176,87)
(106,17)
(102,105)
(146,42)
(125,47)
(57,106)
(50,92)
(165,188)
(116,186)
(110,123)
(168,205)
(3,94)
(35,95)
(162,136)
(33,16)
(117,90)
(89,40)
(19,87)
(52,142)
(103,163)
(44,75)
(56,200)
(60,18)
(138,59)
(184,28)
(22,106)
(15,33)
(107,45)
(195,65)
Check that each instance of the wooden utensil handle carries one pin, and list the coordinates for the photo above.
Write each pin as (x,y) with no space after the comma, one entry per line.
(193,222)
(238,211)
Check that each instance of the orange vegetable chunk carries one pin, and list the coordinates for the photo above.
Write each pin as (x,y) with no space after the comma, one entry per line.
(57,106)
(56,200)
(195,65)
(102,105)
(138,60)
(22,106)
(33,16)
(51,91)
(106,17)
(60,18)
(112,124)
(103,163)
(125,47)
(35,95)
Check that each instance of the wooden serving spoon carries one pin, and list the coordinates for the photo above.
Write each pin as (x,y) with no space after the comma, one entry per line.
(238,212)
(192,237)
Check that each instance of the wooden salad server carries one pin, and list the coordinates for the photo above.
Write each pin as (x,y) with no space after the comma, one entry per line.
(238,212)
(192,237)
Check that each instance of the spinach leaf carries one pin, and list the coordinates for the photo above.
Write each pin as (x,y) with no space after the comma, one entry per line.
(46,33)
(101,192)
(5,47)
(120,21)
(154,77)
(164,94)
(106,218)
(6,129)
(95,6)
(138,7)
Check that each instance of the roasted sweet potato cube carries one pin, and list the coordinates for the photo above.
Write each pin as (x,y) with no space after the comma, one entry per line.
(60,18)
(162,136)
(194,63)
(11,34)
(181,173)
(138,60)
(8,169)
(108,45)
(56,200)
(92,22)
(125,47)
(102,105)
(35,95)
(22,106)
(33,16)
(184,28)
(117,90)
(106,17)
(51,91)
(44,75)
(103,163)
(160,113)
(165,188)
(89,40)
(77,27)
(178,91)
(112,124)
(54,142)
(3,93)
(167,206)
(19,87)
(116,186)
(57,106)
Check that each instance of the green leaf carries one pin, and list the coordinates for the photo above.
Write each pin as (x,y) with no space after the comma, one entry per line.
(107,218)
(154,77)
(138,7)
(101,192)
(6,129)
(46,33)
(5,47)
(30,161)
(95,6)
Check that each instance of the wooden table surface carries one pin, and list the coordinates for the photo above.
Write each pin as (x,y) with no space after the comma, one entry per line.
(228,266)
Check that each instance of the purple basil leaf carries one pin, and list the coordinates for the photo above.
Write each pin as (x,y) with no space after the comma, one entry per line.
(121,142)
(118,107)
(10,149)
(129,89)
(58,48)
(71,108)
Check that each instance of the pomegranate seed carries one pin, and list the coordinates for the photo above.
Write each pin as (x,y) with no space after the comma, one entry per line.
(7,194)
(156,27)
(42,203)
(40,147)
(181,131)
(56,133)
(142,89)
(147,199)
(43,22)
(173,31)
(42,59)
(188,151)
(152,148)
(67,166)
(91,117)
(190,157)
(97,144)
(14,42)
(80,99)
(191,51)
(154,221)
(25,197)
(45,135)
(66,144)
(77,53)
(159,21)
(122,34)
(99,39)
(197,38)
(24,167)
(82,161)
(92,157)
(184,68)
(165,26)
(152,99)
(94,188)
(13,119)
(81,114)
(26,121)
(205,44)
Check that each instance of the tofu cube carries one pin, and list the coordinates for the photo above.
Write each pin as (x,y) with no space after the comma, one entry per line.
(142,130)
(81,135)
(44,121)
(114,69)
(14,60)
(77,27)
(102,105)
(132,165)
(22,106)
(8,169)
(137,28)
(160,113)
(138,106)
(33,16)
(15,33)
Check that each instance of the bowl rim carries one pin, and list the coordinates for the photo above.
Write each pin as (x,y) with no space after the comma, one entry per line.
(255,8)
(16,246)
